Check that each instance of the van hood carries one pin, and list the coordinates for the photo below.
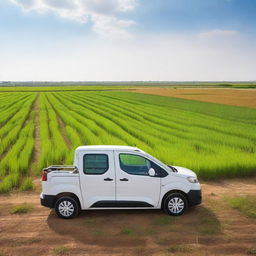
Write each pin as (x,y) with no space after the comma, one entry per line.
(183,171)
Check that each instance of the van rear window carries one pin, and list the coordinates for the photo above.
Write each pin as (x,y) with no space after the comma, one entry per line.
(95,163)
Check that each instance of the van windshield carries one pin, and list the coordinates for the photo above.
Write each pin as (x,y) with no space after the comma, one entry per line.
(166,167)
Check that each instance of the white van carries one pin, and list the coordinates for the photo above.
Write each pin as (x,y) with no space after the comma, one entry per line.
(118,177)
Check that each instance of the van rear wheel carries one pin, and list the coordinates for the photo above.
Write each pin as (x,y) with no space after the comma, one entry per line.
(66,207)
(175,204)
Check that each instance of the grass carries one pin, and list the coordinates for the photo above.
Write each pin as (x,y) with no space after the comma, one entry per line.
(209,227)
(213,140)
(61,250)
(89,221)
(251,251)
(99,233)
(27,241)
(245,204)
(164,220)
(27,184)
(21,209)
(126,231)
(208,223)
(179,248)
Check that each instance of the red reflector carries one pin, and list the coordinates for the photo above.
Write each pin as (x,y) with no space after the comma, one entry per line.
(44,176)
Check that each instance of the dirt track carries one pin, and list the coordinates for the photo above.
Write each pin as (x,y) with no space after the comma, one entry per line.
(236,97)
(210,229)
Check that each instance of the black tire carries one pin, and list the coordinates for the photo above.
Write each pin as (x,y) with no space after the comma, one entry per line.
(71,210)
(175,204)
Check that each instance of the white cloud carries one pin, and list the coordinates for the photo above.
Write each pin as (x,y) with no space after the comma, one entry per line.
(217,33)
(111,27)
(102,13)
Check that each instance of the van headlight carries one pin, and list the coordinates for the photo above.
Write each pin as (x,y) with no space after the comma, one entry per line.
(192,179)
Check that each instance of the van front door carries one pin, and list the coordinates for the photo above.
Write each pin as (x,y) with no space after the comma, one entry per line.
(134,186)
(97,178)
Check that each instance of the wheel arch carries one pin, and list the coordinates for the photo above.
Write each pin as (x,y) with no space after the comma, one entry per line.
(171,192)
(70,194)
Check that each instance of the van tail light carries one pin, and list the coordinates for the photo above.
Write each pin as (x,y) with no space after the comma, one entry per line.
(44,176)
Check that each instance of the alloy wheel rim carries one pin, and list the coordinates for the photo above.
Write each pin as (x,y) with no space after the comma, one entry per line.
(176,205)
(66,208)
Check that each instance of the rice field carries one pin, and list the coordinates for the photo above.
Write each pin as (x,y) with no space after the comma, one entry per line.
(38,129)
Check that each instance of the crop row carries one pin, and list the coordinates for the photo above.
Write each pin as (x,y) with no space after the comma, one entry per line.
(17,142)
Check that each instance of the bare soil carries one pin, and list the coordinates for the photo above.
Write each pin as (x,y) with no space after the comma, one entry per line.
(64,133)
(236,97)
(37,146)
(212,228)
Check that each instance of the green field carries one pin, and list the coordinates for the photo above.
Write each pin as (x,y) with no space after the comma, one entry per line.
(38,129)
(110,86)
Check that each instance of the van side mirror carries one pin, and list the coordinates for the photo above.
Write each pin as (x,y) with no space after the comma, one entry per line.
(152,172)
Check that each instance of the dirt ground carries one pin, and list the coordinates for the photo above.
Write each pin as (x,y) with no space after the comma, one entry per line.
(213,228)
(236,97)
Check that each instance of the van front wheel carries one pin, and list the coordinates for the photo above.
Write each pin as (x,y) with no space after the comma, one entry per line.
(66,207)
(175,204)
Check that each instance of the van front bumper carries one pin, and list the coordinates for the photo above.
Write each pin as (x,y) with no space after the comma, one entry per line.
(194,197)
(47,200)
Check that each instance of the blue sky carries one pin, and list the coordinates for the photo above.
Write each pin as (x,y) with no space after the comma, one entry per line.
(197,15)
(127,40)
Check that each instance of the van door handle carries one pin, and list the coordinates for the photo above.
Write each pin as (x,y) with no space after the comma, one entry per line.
(108,179)
(124,179)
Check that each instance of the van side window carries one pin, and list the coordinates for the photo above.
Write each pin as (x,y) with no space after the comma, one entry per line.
(134,164)
(95,163)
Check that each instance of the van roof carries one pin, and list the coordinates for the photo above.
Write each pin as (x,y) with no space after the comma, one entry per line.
(108,147)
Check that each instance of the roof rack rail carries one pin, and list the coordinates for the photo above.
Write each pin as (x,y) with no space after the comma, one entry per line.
(61,168)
